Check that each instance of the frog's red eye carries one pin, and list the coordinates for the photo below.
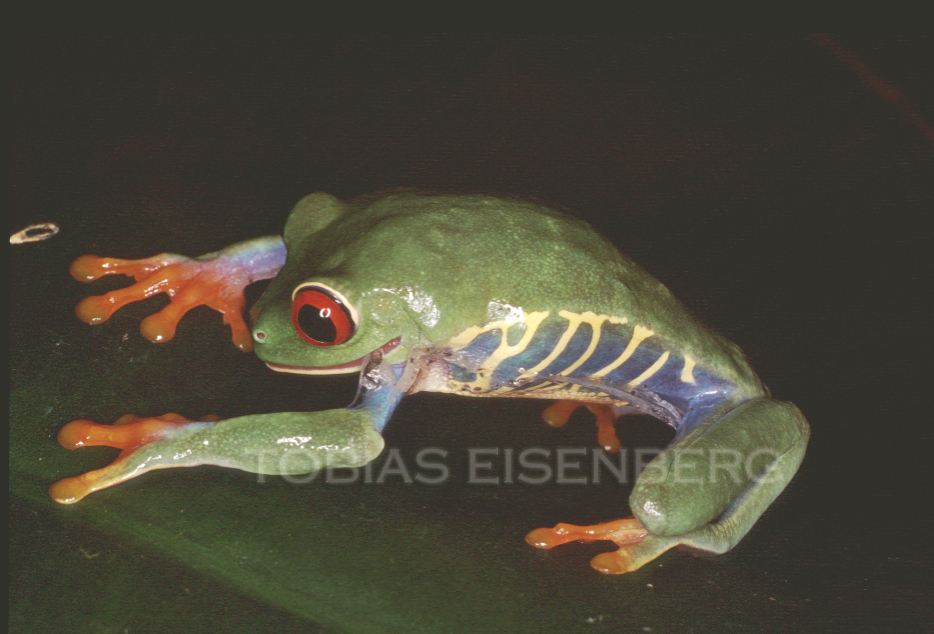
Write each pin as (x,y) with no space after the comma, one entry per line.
(321,317)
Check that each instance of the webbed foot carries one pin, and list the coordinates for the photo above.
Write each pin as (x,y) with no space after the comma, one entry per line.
(216,280)
(628,534)
(128,433)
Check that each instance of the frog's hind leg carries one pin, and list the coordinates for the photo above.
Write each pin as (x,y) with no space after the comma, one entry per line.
(711,485)
(705,491)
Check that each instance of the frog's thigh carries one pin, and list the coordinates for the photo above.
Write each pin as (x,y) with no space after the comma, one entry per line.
(709,487)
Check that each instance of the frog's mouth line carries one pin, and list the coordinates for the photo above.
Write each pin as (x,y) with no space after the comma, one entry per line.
(344,368)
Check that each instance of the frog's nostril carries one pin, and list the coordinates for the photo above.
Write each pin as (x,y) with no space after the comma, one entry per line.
(259,335)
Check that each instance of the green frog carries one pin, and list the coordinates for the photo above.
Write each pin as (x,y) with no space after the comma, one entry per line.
(470,295)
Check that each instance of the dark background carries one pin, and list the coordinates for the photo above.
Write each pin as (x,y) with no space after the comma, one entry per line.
(782,187)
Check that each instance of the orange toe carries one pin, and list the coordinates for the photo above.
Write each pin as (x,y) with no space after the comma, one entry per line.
(606,427)
(558,413)
(129,431)
(614,563)
(621,532)
(71,490)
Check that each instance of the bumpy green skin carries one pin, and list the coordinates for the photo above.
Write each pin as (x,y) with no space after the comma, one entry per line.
(425,268)
(431,273)
(462,253)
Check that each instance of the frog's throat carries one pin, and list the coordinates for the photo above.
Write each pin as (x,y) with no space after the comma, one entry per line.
(344,368)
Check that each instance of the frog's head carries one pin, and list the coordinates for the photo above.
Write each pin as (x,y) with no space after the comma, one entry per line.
(392,271)
(336,301)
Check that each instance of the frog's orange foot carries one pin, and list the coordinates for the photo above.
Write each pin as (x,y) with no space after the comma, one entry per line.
(558,413)
(626,534)
(188,282)
(128,433)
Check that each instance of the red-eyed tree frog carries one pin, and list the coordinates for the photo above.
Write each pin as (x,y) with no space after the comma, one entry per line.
(469,295)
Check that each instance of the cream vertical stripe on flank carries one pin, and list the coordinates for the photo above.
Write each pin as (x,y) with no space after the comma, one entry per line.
(639,334)
(503,351)
(532,321)
(652,369)
(574,322)
(687,374)
(595,322)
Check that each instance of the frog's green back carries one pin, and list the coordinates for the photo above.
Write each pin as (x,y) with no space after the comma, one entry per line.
(468,253)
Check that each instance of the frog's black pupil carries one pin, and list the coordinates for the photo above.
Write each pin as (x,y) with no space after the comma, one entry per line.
(315,326)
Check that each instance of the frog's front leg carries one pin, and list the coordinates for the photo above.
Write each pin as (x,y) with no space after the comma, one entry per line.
(216,280)
(705,491)
(288,443)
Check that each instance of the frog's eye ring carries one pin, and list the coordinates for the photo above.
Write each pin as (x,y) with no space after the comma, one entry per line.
(321,316)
